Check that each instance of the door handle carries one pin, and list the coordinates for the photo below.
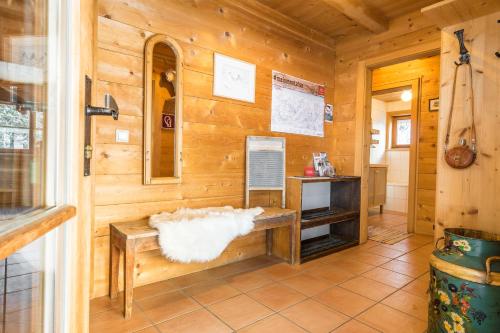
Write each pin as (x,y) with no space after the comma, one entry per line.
(110,109)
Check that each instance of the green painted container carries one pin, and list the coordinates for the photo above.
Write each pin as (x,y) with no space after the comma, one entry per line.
(465,283)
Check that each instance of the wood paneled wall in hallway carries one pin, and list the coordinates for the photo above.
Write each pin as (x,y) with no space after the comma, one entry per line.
(405,33)
(428,70)
(470,198)
(214,128)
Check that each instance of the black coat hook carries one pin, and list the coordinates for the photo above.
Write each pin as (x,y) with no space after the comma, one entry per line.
(464,57)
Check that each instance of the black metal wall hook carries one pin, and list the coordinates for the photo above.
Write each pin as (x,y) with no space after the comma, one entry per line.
(464,57)
(110,108)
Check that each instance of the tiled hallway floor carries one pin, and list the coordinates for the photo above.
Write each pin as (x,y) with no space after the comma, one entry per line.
(369,288)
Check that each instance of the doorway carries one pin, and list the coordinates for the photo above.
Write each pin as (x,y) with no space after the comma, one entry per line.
(391,179)
(401,138)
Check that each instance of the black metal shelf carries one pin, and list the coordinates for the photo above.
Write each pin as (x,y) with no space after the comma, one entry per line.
(316,217)
(323,245)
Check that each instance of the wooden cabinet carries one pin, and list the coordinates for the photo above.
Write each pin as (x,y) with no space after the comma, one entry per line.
(377,186)
(342,216)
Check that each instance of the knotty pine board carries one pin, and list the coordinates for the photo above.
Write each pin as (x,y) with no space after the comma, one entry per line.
(470,198)
(214,128)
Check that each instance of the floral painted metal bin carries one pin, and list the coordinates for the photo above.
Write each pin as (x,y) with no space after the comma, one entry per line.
(465,283)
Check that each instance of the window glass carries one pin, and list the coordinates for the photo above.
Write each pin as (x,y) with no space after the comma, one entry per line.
(403,132)
(23,101)
(22,282)
(27,276)
(14,128)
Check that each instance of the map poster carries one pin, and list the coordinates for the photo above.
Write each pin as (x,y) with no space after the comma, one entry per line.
(297,105)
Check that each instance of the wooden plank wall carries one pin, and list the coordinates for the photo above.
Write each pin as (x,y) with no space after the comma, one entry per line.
(405,31)
(214,128)
(428,70)
(409,31)
(470,198)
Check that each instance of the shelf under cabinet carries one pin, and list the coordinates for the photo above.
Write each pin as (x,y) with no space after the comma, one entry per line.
(317,217)
(323,245)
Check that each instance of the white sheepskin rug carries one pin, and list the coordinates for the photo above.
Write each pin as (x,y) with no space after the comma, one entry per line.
(200,235)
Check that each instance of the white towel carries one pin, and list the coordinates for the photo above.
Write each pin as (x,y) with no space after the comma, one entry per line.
(200,235)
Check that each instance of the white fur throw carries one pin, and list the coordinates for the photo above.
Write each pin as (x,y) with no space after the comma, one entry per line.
(201,235)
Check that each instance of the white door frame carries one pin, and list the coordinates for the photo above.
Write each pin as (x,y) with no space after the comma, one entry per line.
(61,175)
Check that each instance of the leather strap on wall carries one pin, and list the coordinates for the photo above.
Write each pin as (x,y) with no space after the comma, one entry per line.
(471,102)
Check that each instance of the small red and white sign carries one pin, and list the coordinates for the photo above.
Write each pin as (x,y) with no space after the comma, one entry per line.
(168,121)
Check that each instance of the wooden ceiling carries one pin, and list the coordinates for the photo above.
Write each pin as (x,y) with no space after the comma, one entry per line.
(340,18)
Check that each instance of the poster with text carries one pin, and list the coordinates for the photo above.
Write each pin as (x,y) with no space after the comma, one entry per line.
(297,105)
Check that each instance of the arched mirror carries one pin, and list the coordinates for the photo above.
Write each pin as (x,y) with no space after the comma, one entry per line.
(162,111)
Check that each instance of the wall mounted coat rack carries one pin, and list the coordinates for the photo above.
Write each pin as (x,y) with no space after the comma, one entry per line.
(110,109)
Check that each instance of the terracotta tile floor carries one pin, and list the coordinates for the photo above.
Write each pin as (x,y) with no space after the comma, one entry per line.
(397,221)
(370,288)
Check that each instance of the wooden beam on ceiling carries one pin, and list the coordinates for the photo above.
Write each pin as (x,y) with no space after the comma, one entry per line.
(449,12)
(281,21)
(363,15)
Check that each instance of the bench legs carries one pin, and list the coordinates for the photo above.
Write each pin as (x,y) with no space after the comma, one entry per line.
(114,268)
(269,243)
(292,243)
(127,248)
(129,264)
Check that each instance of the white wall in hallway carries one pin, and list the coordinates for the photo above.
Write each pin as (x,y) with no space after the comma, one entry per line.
(397,160)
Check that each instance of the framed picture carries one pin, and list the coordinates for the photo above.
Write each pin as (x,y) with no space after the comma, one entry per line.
(434,104)
(328,113)
(234,78)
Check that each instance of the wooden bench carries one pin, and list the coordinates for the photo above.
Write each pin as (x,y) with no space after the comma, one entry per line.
(134,237)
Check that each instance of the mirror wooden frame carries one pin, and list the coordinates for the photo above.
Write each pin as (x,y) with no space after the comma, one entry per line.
(148,111)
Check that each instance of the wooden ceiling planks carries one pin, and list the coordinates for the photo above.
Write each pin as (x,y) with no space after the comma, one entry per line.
(318,15)
(449,12)
(325,15)
(359,12)
(278,19)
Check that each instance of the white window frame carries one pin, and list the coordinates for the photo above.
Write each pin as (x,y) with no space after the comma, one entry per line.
(61,169)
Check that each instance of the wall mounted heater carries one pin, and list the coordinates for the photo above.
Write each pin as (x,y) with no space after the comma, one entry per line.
(265,166)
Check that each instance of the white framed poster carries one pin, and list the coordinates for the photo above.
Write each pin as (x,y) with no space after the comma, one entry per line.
(234,78)
(298,106)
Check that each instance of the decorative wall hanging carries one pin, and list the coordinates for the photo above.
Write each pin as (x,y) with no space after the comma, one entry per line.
(328,113)
(434,104)
(168,121)
(461,156)
(297,105)
(234,78)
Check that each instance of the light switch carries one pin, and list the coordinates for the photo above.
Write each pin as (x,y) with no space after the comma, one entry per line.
(122,136)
